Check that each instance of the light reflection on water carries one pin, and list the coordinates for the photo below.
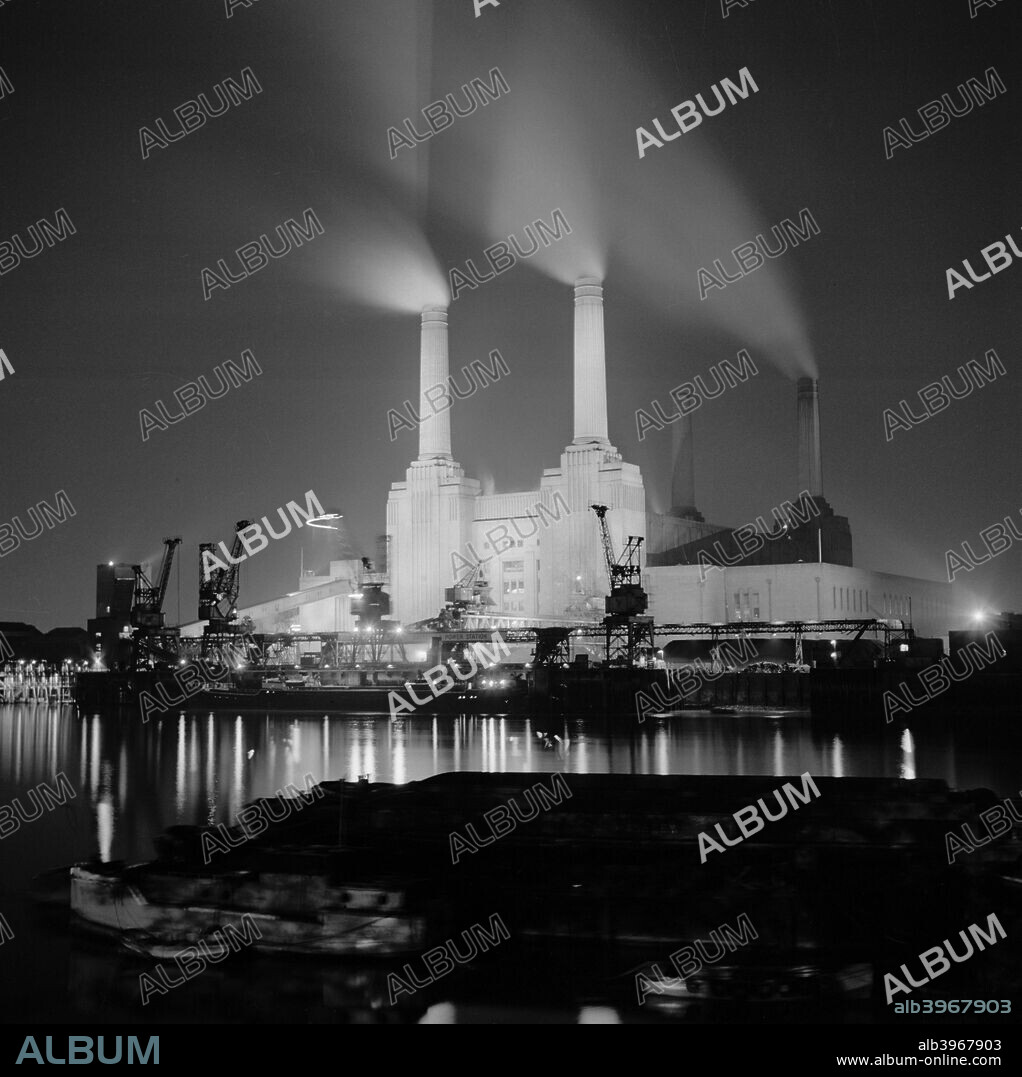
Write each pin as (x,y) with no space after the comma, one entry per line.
(133,780)
(219,762)
(908,755)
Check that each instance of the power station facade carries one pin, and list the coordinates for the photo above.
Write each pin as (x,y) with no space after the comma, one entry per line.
(540,550)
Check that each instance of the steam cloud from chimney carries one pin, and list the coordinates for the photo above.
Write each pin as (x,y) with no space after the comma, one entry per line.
(683,474)
(563,138)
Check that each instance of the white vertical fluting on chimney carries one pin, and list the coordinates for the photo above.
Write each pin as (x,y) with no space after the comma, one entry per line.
(683,475)
(590,363)
(435,428)
(810,457)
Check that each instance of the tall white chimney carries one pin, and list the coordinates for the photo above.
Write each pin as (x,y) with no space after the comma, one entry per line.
(810,457)
(590,363)
(435,429)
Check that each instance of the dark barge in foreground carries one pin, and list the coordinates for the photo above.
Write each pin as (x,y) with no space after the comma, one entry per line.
(853,876)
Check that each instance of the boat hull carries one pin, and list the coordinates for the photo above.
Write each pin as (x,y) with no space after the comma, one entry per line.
(358,700)
(116,903)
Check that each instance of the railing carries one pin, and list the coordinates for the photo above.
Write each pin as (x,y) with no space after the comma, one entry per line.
(20,683)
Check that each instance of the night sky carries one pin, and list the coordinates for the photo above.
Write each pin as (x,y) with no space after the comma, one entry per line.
(113,318)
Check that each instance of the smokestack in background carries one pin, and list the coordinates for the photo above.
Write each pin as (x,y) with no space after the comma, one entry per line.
(683,471)
(435,429)
(590,363)
(810,457)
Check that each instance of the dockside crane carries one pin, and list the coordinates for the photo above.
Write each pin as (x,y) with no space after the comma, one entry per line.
(469,596)
(219,587)
(471,592)
(377,639)
(371,603)
(628,629)
(152,641)
(147,606)
(626,594)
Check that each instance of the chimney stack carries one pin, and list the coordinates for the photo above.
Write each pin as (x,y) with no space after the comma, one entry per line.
(683,475)
(435,428)
(590,363)
(810,458)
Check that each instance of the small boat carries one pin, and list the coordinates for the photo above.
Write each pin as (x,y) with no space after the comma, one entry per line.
(780,983)
(159,912)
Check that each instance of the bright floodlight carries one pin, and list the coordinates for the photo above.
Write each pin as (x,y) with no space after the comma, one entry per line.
(322,521)
(978,615)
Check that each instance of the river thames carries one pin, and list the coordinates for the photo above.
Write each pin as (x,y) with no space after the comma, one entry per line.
(133,780)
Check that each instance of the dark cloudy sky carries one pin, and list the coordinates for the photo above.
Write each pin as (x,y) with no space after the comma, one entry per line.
(113,319)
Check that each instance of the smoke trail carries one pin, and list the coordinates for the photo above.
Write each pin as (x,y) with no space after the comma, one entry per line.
(387,262)
(565,137)
(488,482)
(383,258)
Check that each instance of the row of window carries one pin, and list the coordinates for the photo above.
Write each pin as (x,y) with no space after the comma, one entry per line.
(856,600)
(850,599)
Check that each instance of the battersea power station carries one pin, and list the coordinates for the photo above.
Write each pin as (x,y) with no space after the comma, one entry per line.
(541,551)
